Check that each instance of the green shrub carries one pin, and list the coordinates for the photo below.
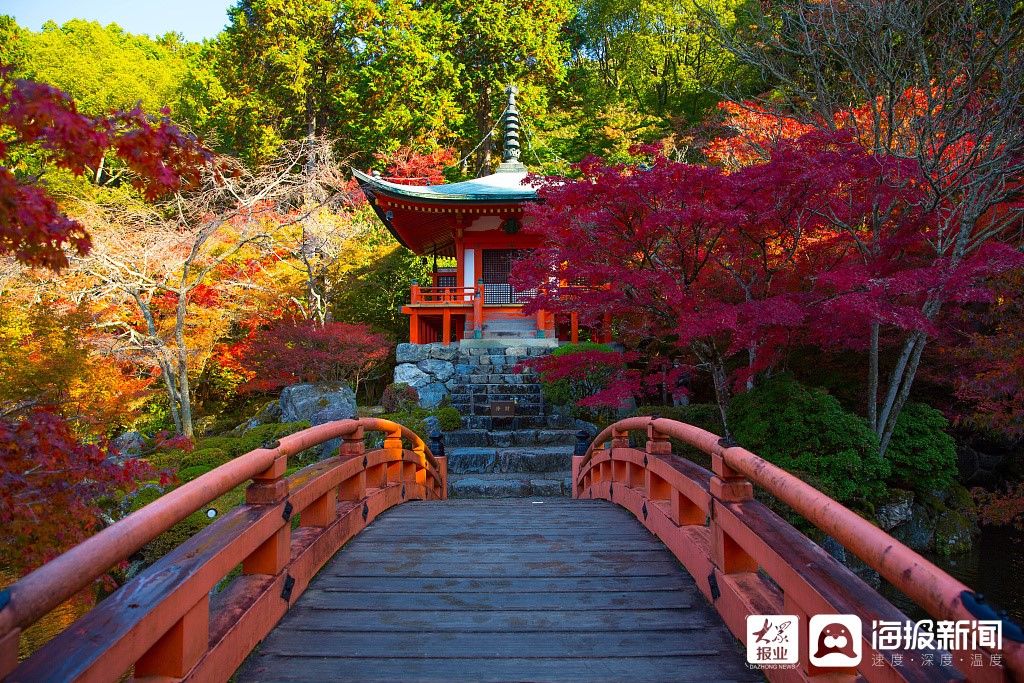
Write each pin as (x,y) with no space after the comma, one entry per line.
(707,416)
(449,418)
(414,418)
(186,474)
(234,446)
(144,497)
(808,433)
(921,454)
(191,525)
(204,457)
(398,397)
(568,349)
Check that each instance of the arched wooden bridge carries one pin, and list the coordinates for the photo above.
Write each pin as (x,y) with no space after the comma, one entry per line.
(647,574)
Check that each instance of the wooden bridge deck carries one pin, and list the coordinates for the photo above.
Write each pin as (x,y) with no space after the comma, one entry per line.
(501,590)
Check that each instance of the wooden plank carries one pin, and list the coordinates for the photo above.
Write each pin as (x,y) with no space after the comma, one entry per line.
(511,621)
(439,567)
(696,643)
(383,556)
(588,669)
(501,591)
(531,545)
(549,600)
(421,586)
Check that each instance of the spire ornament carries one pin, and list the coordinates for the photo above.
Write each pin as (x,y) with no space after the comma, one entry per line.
(510,162)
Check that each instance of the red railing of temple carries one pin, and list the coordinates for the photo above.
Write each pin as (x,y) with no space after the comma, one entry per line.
(443,295)
(164,621)
(748,560)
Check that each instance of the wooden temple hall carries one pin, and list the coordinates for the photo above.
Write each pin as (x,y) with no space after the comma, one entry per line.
(478,222)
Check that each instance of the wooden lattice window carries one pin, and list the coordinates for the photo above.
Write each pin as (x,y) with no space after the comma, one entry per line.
(497,264)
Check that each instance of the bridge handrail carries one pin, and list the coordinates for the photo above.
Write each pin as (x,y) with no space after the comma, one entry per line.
(34,595)
(734,469)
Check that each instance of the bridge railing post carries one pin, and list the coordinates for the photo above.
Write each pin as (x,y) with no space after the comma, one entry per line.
(619,470)
(181,647)
(728,486)
(393,455)
(269,488)
(352,446)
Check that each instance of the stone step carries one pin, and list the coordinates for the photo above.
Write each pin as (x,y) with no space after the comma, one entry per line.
(483,345)
(465,437)
(499,327)
(508,460)
(484,410)
(518,422)
(497,388)
(502,378)
(508,439)
(510,485)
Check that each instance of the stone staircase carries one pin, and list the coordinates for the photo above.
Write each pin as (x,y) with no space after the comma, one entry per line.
(528,454)
(510,328)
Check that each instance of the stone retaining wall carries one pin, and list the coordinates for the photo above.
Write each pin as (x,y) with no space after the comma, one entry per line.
(435,369)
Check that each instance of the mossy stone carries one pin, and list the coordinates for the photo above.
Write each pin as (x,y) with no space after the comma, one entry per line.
(954,533)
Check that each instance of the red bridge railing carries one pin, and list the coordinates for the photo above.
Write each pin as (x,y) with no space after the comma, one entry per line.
(748,560)
(164,622)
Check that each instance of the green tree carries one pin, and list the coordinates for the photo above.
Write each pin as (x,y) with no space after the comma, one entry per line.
(369,74)
(656,55)
(105,68)
(495,44)
(373,282)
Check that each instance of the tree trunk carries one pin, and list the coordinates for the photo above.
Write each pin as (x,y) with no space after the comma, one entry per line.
(721,382)
(885,437)
(170,382)
(873,379)
(184,390)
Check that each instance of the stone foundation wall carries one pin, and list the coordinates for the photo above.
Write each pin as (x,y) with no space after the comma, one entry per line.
(435,369)
(428,368)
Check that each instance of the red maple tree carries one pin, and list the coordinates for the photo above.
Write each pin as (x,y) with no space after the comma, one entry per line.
(38,117)
(51,485)
(816,243)
(307,351)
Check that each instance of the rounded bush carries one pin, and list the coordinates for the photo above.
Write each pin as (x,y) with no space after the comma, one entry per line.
(921,454)
(145,496)
(596,375)
(254,438)
(449,418)
(808,433)
(580,347)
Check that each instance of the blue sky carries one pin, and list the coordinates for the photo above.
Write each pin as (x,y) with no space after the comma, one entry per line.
(195,19)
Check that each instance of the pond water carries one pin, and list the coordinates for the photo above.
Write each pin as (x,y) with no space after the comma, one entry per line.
(994,568)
